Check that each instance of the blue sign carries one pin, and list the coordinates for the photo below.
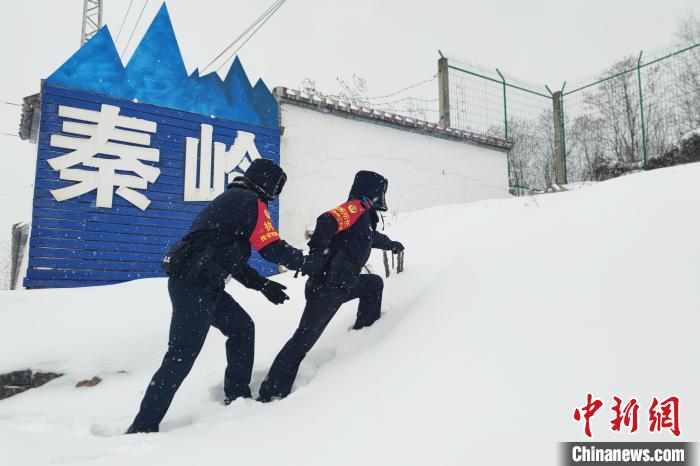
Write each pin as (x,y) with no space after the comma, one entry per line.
(128,156)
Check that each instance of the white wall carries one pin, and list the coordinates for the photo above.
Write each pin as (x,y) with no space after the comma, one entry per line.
(321,154)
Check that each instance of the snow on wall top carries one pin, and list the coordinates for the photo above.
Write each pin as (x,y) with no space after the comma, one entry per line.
(156,74)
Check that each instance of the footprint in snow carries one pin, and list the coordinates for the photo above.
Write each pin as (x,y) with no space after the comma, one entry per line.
(177,423)
(100,430)
(216,392)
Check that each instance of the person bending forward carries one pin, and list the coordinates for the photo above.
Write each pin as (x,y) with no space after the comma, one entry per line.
(339,248)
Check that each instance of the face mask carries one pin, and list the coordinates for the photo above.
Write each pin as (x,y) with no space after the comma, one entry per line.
(277,190)
(380,203)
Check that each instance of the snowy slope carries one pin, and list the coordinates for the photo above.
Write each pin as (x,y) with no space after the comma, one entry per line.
(508,313)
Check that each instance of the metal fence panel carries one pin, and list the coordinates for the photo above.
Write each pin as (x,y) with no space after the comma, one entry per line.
(633,116)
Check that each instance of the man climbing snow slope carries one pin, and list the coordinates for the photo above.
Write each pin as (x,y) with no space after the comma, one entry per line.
(339,248)
(217,245)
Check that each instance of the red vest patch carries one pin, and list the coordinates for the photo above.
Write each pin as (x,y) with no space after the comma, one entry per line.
(347,214)
(264,232)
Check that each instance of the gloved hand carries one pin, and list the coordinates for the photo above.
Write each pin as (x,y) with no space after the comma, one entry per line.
(396,247)
(274,292)
(313,264)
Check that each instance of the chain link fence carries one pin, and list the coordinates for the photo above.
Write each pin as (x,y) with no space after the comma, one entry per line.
(633,116)
(638,114)
(492,102)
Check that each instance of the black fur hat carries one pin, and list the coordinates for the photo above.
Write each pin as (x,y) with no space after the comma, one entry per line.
(266,177)
(371,185)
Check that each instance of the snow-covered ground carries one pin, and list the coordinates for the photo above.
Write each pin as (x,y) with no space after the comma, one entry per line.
(509,312)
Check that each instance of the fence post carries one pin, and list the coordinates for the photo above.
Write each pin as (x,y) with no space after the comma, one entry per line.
(559,150)
(641,111)
(505,104)
(444,91)
(505,120)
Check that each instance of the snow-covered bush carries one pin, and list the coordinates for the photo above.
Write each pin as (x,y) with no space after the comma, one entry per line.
(603,168)
(687,151)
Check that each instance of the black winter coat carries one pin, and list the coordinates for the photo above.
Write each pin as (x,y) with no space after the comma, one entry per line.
(349,230)
(233,222)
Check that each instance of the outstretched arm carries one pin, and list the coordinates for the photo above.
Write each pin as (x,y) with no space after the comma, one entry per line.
(280,252)
(382,241)
(247,276)
(250,278)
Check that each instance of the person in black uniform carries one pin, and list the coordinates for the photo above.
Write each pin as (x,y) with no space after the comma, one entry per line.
(339,248)
(218,245)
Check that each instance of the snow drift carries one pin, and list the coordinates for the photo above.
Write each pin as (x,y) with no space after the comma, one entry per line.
(509,312)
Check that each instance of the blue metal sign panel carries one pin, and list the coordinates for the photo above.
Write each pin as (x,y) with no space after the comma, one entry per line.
(128,156)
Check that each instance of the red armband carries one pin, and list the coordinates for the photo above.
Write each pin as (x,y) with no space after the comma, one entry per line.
(264,232)
(347,214)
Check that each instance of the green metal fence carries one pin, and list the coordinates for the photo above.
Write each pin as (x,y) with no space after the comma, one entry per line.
(492,102)
(637,110)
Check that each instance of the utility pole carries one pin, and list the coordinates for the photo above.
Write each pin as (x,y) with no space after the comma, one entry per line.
(92,19)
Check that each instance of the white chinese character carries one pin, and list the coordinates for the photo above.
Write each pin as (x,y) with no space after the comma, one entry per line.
(212,178)
(107,137)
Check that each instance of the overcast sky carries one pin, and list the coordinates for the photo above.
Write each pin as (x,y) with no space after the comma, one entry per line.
(390,43)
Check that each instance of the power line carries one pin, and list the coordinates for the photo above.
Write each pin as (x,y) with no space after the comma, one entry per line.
(241,35)
(134,29)
(9,134)
(124,20)
(10,103)
(404,89)
(403,99)
(262,18)
(400,91)
(233,54)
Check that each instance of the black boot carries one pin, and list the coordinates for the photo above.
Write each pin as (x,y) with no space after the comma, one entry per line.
(270,391)
(230,399)
(268,398)
(233,397)
(133,429)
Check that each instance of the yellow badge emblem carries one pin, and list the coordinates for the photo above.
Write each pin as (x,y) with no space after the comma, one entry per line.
(352,209)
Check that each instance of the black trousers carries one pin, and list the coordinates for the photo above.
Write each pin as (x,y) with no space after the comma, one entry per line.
(322,302)
(195,309)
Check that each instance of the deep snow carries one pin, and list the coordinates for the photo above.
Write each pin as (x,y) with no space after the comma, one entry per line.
(508,313)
